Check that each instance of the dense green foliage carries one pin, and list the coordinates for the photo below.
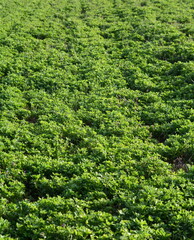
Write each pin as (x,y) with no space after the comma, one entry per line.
(96,119)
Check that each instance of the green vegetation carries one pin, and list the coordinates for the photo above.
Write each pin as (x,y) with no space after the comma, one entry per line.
(96,119)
